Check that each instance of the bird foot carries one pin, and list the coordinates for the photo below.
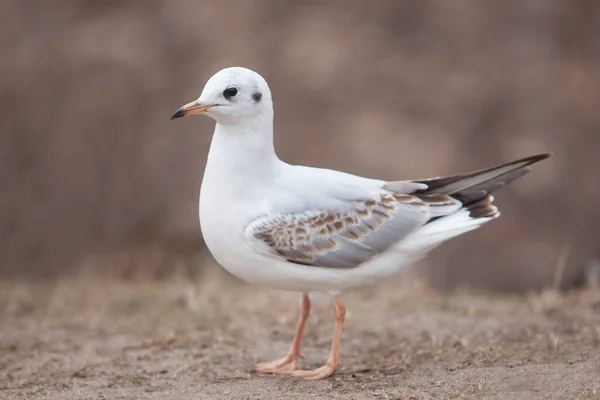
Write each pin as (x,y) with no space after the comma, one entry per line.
(285,365)
(320,373)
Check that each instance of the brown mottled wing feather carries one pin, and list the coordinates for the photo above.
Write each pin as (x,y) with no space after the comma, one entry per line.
(345,239)
(474,186)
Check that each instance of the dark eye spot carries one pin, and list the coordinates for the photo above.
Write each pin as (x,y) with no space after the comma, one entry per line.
(230,92)
(256,97)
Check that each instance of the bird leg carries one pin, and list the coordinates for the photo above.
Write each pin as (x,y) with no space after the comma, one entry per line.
(333,362)
(287,364)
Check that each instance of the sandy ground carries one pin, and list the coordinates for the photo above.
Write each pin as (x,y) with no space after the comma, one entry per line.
(104,339)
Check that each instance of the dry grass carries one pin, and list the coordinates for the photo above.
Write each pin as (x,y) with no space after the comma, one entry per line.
(179,339)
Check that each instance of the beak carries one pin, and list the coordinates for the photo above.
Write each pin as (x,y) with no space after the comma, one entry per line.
(191,109)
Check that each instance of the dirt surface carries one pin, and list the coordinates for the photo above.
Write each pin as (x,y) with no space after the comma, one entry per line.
(103,339)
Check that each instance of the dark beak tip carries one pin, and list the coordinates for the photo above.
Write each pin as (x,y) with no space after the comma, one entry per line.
(178,113)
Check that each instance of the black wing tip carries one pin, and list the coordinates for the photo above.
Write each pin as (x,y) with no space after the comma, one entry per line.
(525,162)
(535,158)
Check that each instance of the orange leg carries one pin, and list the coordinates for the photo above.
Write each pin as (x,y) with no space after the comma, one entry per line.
(287,364)
(333,362)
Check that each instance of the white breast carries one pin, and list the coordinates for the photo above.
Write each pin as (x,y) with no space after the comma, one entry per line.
(244,180)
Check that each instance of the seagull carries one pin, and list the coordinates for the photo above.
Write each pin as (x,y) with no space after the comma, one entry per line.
(319,231)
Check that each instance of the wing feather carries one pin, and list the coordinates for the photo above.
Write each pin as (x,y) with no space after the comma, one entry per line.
(346,239)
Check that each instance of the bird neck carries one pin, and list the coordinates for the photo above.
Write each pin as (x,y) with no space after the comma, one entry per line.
(243,149)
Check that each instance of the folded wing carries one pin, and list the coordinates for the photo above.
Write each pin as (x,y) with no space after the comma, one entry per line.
(348,238)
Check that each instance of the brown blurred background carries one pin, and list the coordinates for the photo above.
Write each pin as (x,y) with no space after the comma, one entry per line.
(94,175)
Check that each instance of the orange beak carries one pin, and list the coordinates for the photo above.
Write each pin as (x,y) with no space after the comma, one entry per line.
(191,109)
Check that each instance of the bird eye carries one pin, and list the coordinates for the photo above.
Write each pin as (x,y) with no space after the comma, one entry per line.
(230,92)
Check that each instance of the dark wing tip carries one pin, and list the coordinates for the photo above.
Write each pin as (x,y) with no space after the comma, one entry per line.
(470,187)
(536,158)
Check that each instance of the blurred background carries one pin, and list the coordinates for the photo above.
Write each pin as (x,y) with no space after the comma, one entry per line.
(95,177)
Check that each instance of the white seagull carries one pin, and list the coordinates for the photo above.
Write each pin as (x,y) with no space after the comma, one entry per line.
(313,230)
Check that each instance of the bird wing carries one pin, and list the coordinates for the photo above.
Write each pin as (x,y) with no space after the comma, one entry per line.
(367,225)
(349,237)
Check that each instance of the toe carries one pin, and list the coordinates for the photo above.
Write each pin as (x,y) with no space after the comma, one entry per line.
(283,369)
(303,373)
(325,373)
(282,366)
(315,374)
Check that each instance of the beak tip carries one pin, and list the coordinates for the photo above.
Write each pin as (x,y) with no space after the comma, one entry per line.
(180,112)
(191,109)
